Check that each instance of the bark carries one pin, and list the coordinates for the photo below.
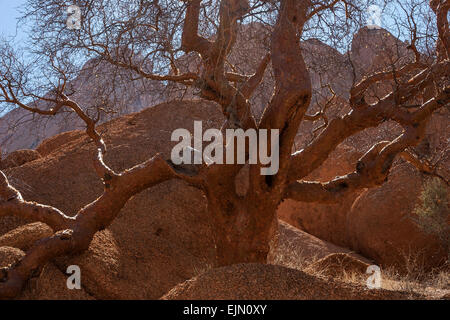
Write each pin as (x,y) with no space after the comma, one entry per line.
(245,224)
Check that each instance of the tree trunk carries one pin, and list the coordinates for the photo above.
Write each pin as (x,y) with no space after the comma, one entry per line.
(244,226)
(246,240)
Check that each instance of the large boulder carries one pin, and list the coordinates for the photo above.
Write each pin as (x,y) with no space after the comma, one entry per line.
(378,225)
(18,158)
(298,249)
(9,255)
(24,236)
(375,49)
(326,221)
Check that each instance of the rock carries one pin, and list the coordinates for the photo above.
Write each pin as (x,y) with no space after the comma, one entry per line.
(25,236)
(53,143)
(49,285)
(18,158)
(162,236)
(298,249)
(325,221)
(9,255)
(261,282)
(378,225)
(374,49)
(52,285)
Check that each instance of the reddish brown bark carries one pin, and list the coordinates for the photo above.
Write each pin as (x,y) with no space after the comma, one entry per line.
(245,224)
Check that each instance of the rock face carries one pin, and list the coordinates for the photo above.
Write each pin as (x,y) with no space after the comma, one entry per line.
(326,221)
(9,255)
(378,224)
(261,282)
(18,158)
(24,236)
(298,250)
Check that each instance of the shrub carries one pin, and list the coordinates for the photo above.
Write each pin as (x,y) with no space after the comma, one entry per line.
(431,214)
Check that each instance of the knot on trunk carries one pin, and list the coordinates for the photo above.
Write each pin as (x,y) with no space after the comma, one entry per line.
(65,234)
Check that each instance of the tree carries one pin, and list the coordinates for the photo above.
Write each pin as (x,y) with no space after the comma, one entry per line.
(246,224)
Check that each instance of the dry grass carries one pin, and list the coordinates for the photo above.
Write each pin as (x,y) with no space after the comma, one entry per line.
(200,269)
(432,285)
(296,259)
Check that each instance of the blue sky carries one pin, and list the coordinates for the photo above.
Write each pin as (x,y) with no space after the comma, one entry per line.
(8,21)
(9,13)
(8,18)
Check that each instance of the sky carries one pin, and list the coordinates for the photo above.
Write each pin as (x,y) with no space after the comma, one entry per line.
(9,13)
(8,21)
(8,18)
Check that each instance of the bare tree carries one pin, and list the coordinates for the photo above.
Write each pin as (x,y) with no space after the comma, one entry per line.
(245,224)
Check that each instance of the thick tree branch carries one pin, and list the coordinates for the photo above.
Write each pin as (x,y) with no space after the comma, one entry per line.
(79,230)
(191,41)
(372,170)
(292,93)
(365,116)
(12,204)
(254,81)
(441,8)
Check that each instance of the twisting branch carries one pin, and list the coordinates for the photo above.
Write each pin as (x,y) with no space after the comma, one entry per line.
(357,92)
(254,81)
(184,78)
(365,116)
(12,204)
(372,170)
(214,82)
(74,234)
(441,8)
(323,7)
(64,101)
(292,93)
